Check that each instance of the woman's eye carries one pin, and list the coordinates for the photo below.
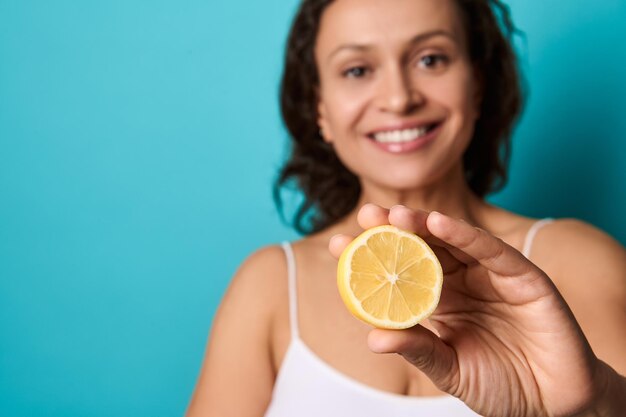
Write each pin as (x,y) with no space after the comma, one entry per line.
(355,72)
(433,61)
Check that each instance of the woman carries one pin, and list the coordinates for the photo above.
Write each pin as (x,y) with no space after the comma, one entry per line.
(408,104)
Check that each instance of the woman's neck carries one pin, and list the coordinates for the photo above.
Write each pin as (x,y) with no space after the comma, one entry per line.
(450,195)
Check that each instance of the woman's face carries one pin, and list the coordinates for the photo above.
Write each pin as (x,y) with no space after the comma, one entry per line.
(398,95)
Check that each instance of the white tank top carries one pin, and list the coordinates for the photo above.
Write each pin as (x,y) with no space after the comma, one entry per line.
(307,386)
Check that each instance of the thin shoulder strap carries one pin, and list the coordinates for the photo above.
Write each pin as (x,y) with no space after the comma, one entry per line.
(532,232)
(293,297)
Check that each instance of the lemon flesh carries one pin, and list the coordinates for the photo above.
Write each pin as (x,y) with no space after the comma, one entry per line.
(389,278)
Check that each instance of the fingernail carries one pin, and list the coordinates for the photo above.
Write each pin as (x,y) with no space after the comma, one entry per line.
(435,214)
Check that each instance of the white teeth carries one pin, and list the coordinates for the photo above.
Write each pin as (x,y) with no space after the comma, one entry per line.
(405,135)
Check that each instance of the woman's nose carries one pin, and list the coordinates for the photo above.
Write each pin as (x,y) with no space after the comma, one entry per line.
(397,94)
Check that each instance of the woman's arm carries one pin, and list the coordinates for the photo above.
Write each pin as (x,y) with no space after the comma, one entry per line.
(237,376)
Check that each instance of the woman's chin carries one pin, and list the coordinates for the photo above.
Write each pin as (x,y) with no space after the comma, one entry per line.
(398,184)
(410,180)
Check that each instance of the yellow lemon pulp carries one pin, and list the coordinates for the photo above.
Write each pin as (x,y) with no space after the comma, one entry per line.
(389,278)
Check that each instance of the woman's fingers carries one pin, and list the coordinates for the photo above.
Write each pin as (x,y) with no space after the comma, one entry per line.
(412,220)
(338,243)
(400,216)
(415,221)
(488,250)
(423,349)
(371,215)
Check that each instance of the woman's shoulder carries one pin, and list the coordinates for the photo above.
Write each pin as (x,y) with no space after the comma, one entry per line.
(265,263)
(270,262)
(565,247)
(554,236)
(264,259)
(580,257)
(579,240)
(260,280)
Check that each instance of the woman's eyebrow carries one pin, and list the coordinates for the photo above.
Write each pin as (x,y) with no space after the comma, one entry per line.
(427,35)
(415,40)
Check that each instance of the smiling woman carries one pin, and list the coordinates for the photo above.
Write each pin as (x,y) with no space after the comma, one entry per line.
(485,48)
(410,105)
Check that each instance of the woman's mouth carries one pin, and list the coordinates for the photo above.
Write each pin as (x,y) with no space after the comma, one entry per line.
(405,140)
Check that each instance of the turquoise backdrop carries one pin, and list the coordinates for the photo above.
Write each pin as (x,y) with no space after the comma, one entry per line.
(138,142)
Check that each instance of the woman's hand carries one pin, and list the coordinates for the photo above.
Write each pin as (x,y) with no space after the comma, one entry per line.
(507,343)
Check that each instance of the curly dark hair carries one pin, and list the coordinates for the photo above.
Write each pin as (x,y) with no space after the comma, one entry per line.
(330,190)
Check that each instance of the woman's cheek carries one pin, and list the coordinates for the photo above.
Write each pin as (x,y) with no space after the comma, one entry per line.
(346,109)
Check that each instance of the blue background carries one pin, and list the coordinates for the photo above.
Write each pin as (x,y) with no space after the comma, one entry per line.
(138,142)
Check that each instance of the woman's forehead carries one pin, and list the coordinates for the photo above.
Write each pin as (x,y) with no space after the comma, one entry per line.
(379,22)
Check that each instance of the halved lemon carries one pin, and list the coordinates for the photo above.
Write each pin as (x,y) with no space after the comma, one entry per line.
(389,278)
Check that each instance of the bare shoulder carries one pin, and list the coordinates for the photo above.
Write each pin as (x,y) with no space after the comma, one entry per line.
(259,278)
(582,235)
(571,250)
(267,260)
(255,293)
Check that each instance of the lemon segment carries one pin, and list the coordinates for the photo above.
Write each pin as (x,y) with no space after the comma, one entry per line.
(389,278)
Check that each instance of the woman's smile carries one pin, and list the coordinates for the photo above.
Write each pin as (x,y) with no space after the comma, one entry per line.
(406,138)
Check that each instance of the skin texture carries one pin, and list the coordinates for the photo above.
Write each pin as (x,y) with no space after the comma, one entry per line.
(542,328)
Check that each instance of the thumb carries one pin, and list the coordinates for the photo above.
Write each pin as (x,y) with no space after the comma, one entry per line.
(424,350)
